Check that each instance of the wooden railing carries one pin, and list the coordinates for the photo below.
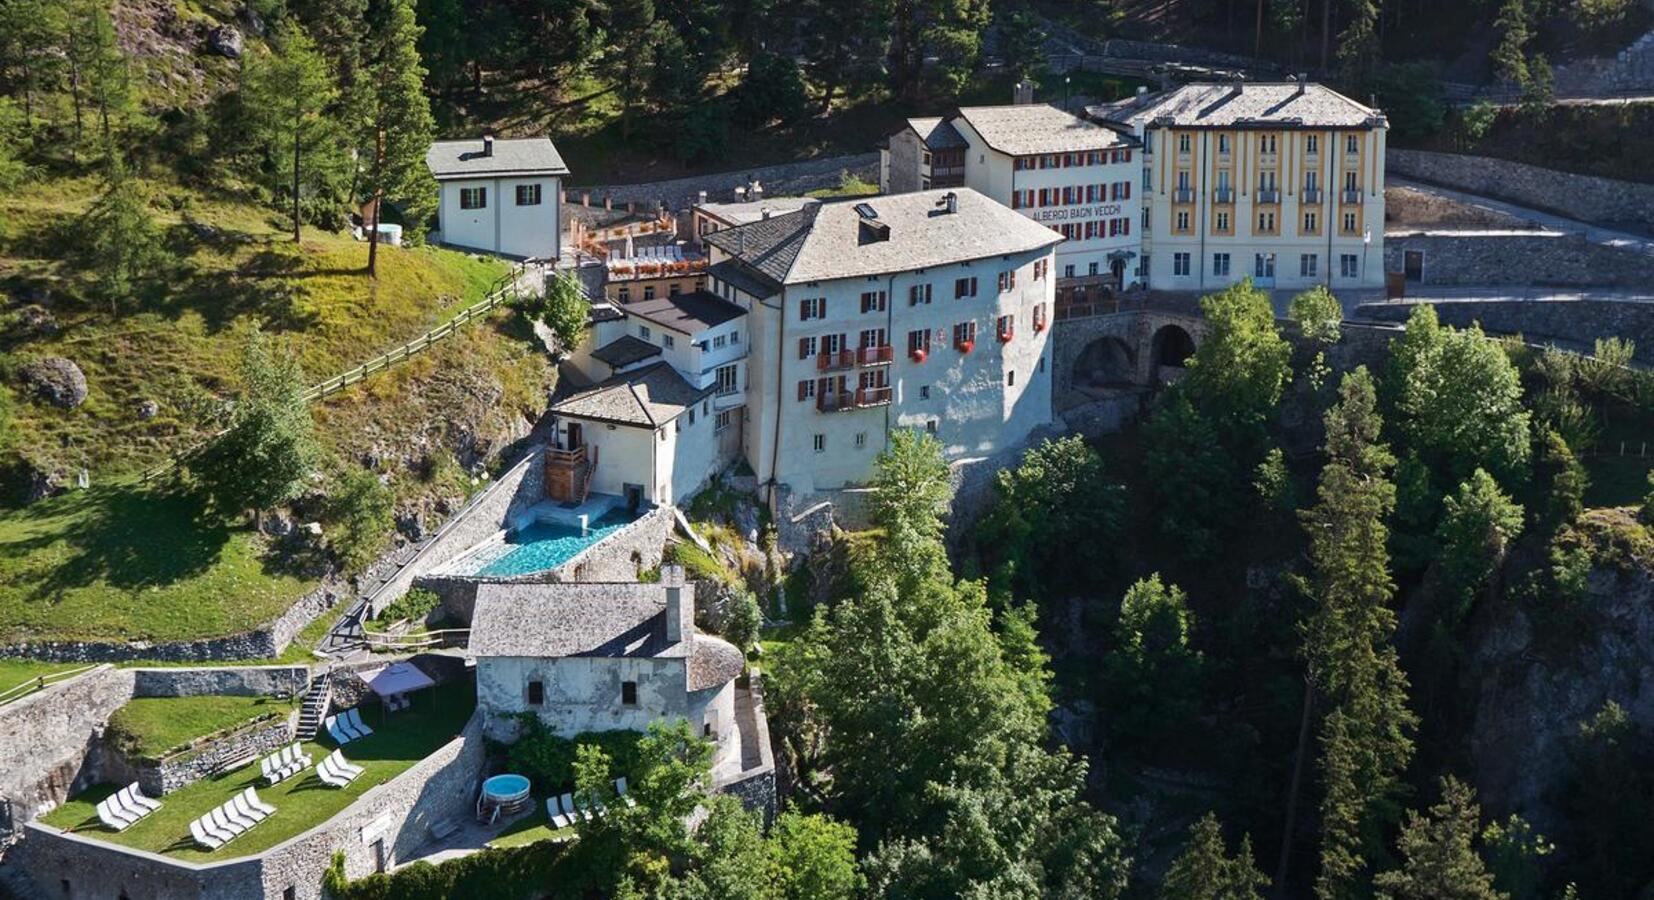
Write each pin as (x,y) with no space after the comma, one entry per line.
(442,637)
(504,291)
(41,683)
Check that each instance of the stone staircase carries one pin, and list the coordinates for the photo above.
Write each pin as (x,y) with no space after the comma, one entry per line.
(316,701)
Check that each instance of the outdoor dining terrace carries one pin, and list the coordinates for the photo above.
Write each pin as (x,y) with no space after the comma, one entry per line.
(302,801)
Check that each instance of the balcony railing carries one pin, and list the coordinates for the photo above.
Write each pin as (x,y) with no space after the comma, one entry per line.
(1183,195)
(874,356)
(1312,195)
(841,359)
(945,171)
(835,401)
(1352,196)
(872,396)
(1223,195)
(1269,195)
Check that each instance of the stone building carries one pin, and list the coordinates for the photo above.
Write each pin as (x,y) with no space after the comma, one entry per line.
(600,657)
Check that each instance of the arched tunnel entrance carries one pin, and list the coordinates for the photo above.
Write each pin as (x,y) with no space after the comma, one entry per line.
(1170,348)
(1107,363)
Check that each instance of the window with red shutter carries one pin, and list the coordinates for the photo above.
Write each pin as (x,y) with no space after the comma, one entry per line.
(1125,225)
(1126,193)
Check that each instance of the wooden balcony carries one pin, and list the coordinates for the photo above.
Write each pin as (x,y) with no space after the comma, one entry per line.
(874,356)
(830,362)
(835,401)
(569,473)
(872,396)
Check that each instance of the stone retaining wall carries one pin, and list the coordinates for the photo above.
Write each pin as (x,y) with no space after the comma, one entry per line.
(785,180)
(166,775)
(1584,197)
(520,487)
(52,746)
(1541,259)
(401,812)
(229,681)
(1574,324)
(265,641)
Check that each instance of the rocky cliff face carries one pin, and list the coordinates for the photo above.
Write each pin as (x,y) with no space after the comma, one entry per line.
(1537,670)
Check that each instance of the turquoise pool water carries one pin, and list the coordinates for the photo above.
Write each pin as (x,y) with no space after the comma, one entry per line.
(506,787)
(545,545)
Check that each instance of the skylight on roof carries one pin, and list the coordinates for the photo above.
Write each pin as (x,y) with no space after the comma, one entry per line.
(866,211)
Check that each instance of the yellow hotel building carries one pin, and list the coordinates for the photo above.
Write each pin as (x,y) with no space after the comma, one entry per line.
(1282,182)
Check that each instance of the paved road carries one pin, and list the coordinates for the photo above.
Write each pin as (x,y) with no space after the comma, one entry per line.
(1596,234)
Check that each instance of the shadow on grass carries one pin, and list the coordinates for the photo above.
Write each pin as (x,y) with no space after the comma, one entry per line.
(127,537)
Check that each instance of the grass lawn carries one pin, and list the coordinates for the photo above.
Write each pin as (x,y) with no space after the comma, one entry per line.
(772,639)
(301,802)
(15,672)
(122,562)
(151,727)
(1617,480)
(530,829)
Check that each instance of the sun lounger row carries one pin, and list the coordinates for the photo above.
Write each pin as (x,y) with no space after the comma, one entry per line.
(337,771)
(283,764)
(125,807)
(222,825)
(564,811)
(346,726)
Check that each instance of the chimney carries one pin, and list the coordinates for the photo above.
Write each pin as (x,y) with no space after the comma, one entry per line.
(740,193)
(631,206)
(680,616)
(755,190)
(1022,94)
(487,145)
(765,212)
(950,203)
(1303,81)
(700,197)
(586,198)
(609,203)
(563,195)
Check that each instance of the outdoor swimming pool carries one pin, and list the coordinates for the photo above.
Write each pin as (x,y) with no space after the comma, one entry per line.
(541,546)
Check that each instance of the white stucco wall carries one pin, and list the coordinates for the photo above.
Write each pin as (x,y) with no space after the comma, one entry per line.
(582,693)
(502,226)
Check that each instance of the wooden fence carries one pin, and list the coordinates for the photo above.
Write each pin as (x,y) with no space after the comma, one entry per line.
(505,291)
(41,683)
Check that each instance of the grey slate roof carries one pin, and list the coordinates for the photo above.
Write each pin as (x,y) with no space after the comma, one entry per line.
(753,210)
(571,619)
(624,351)
(1257,104)
(937,133)
(825,242)
(686,313)
(713,662)
(749,281)
(647,397)
(1033,128)
(512,156)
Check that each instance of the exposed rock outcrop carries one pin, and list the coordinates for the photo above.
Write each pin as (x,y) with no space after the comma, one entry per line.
(57,381)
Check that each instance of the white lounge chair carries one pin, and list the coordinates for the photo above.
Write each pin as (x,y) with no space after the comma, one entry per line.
(213,830)
(246,810)
(110,817)
(354,717)
(136,799)
(335,771)
(235,817)
(620,791)
(554,815)
(251,798)
(569,811)
(203,838)
(224,822)
(345,766)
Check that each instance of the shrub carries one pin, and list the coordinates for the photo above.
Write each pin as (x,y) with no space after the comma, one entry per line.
(744,619)
(360,511)
(548,760)
(415,605)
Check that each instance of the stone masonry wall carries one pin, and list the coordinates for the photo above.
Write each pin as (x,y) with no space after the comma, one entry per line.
(167,775)
(1575,324)
(519,487)
(230,681)
(401,811)
(1585,197)
(52,745)
(1542,259)
(266,641)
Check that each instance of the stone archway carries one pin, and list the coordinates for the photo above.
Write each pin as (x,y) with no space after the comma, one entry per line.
(1170,348)
(1106,363)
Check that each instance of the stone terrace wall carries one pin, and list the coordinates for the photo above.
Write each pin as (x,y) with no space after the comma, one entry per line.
(1544,259)
(402,810)
(51,746)
(787,179)
(520,487)
(1584,197)
(1575,324)
(230,681)
(168,775)
(266,641)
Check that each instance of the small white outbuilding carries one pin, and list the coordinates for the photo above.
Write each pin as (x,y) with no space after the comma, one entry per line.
(500,195)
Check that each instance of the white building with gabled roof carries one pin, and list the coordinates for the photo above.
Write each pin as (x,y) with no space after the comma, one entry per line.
(499,195)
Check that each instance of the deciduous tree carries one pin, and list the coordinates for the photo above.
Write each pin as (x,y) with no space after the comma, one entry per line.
(1478,523)
(1153,675)
(267,453)
(1059,498)
(360,511)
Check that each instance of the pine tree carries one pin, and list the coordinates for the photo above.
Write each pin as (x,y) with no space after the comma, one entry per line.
(399,116)
(1478,523)
(1205,871)
(288,92)
(121,241)
(1440,862)
(1364,736)
(97,59)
